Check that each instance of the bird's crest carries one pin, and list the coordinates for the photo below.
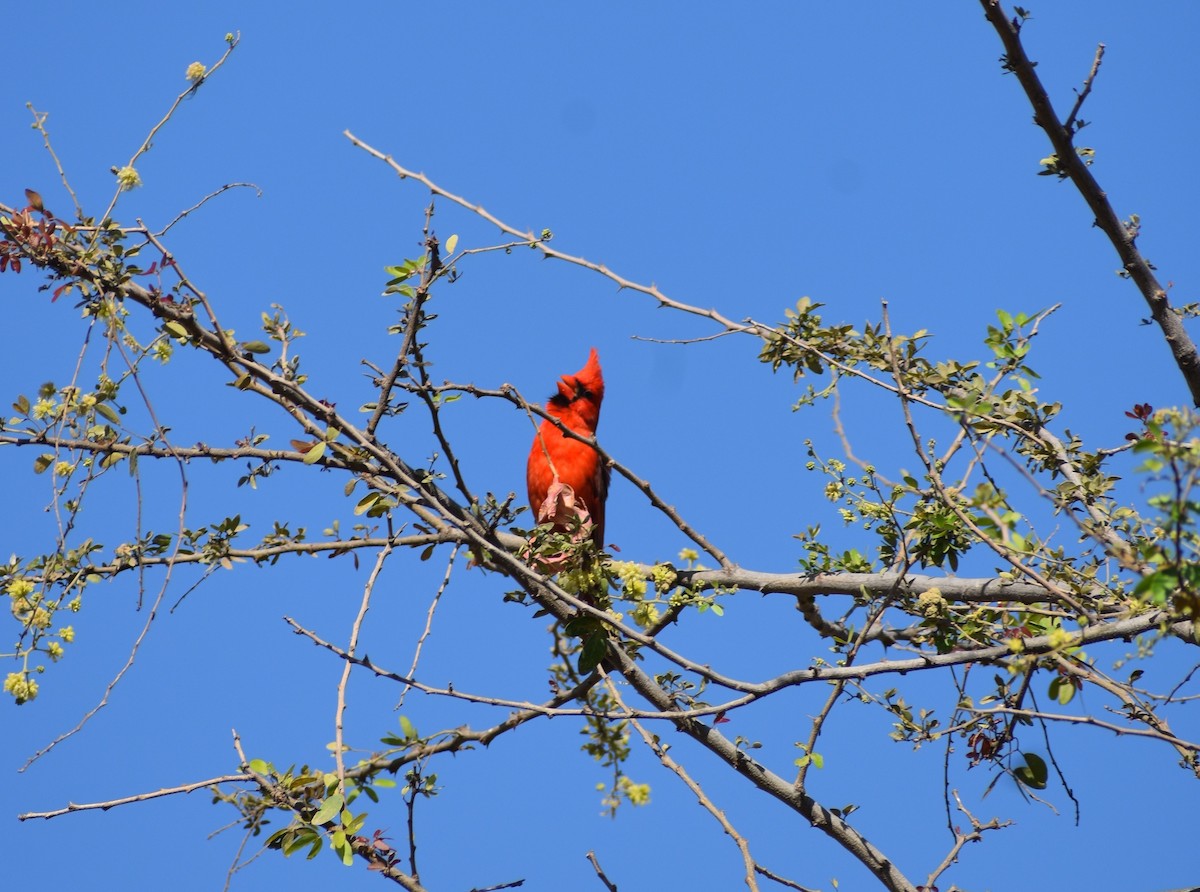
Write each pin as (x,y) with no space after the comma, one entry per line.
(581,393)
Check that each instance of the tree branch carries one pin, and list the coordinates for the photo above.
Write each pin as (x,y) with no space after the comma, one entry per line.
(1122,237)
(140,797)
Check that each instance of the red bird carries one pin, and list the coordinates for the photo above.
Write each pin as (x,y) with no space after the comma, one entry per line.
(556,457)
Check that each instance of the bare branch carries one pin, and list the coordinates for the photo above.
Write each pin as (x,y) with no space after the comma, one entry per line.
(679,771)
(140,797)
(39,124)
(608,884)
(1069,124)
(205,200)
(1122,237)
(339,744)
(437,596)
(961,839)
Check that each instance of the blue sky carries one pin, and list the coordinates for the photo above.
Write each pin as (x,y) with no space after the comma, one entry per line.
(738,158)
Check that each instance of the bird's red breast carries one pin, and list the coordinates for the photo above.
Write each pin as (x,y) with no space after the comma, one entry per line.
(555,456)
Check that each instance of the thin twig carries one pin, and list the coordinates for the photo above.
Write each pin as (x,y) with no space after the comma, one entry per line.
(412,670)
(608,884)
(961,839)
(205,200)
(1119,730)
(878,608)
(1069,124)
(39,124)
(343,683)
(149,140)
(748,326)
(783,881)
(140,797)
(679,771)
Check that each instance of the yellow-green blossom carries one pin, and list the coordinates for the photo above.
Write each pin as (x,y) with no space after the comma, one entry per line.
(663,576)
(195,71)
(632,582)
(42,408)
(20,686)
(64,468)
(55,650)
(128,178)
(1060,637)
(637,794)
(646,614)
(67,634)
(19,588)
(689,554)
(931,603)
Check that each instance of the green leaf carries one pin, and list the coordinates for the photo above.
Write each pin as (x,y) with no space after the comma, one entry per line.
(1157,587)
(329,808)
(1033,773)
(366,503)
(408,728)
(108,412)
(304,838)
(451,243)
(1062,690)
(176,329)
(256,347)
(314,454)
(595,646)
(342,847)
(42,462)
(259,766)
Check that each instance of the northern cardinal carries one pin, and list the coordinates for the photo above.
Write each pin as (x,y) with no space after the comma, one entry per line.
(556,458)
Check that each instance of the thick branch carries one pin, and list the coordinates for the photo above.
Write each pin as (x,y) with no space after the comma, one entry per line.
(766,780)
(1122,238)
